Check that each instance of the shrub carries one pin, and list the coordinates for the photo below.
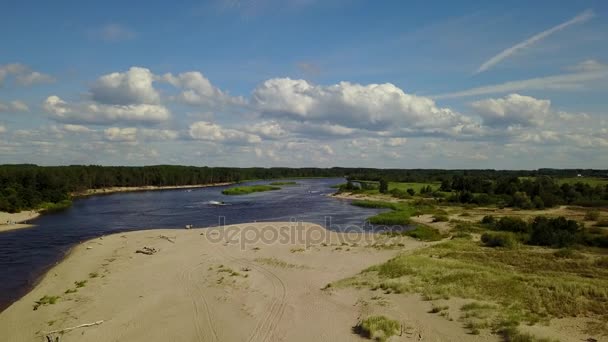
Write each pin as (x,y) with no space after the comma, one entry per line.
(512,224)
(593,215)
(379,328)
(498,240)
(488,219)
(411,191)
(556,232)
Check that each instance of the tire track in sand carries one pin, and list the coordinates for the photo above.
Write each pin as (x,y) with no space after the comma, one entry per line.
(199,305)
(267,325)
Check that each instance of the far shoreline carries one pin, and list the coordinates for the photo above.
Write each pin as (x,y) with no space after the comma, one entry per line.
(15,221)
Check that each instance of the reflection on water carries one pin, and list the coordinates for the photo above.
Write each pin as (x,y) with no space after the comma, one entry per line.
(25,254)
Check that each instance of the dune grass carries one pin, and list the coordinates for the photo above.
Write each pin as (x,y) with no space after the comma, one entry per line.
(526,285)
(283,183)
(244,190)
(400,214)
(379,328)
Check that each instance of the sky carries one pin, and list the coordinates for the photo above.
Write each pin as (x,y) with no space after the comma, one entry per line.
(353,83)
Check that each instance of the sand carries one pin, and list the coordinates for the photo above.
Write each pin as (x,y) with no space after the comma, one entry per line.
(110,190)
(17,220)
(198,287)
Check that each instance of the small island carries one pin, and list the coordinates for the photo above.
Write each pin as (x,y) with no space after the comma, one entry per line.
(244,190)
(283,183)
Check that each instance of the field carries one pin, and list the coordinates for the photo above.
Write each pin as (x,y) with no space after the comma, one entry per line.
(585,180)
(415,186)
(244,190)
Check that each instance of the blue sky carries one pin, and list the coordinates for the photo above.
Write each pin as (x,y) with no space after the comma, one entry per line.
(443,84)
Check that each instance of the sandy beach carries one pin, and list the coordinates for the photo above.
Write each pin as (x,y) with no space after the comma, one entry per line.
(17,220)
(110,190)
(254,282)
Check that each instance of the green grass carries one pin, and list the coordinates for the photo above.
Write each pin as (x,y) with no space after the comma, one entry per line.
(80,284)
(54,207)
(244,190)
(278,263)
(45,300)
(526,285)
(379,328)
(400,214)
(421,232)
(585,180)
(283,183)
(415,186)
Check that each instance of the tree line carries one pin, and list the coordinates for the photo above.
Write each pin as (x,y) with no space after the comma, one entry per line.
(29,186)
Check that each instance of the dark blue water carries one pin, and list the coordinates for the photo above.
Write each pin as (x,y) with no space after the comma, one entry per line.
(26,254)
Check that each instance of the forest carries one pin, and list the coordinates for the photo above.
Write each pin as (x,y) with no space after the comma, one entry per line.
(27,186)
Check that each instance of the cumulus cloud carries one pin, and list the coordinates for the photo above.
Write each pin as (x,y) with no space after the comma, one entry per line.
(512,110)
(581,18)
(197,90)
(2,129)
(125,88)
(101,114)
(268,130)
(24,76)
(76,128)
(373,106)
(394,142)
(118,134)
(203,130)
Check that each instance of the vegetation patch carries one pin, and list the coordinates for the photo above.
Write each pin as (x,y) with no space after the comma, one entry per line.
(525,285)
(244,190)
(379,328)
(283,183)
(499,239)
(278,263)
(46,300)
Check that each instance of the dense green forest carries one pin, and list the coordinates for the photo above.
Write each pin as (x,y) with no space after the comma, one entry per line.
(30,186)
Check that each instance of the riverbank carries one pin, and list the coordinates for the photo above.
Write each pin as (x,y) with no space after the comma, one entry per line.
(110,190)
(194,285)
(19,220)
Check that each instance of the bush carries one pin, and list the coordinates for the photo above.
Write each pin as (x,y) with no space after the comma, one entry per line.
(488,219)
(424,233)
(512,224)
(379,328)
(555,232)
(498,240)
(593,215)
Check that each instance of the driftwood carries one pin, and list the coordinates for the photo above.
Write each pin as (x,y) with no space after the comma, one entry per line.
(49,338)
(147,251)
(167,238)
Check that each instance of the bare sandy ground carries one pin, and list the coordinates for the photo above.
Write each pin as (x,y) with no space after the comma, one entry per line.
(14,221)
(91,192)
(215,285)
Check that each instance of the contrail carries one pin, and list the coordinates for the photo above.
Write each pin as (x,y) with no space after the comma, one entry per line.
(581,18)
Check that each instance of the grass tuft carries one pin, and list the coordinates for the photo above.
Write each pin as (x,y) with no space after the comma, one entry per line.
(379,328)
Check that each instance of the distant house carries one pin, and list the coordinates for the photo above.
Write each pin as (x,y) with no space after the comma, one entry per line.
(579,175)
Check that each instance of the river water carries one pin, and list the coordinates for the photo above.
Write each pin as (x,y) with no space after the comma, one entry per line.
(27,253)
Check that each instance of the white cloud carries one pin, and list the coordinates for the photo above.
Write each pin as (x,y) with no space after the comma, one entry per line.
(14,106)
(2,129)
(589,65)
(113,33)
(117,134)
(94,113)
(394,142)
(203,130)
(158,134)
(124,88)
(76,128)
(581,18)
(197,90)
(268,129)
(23,75)
(373,106)
(511,110)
